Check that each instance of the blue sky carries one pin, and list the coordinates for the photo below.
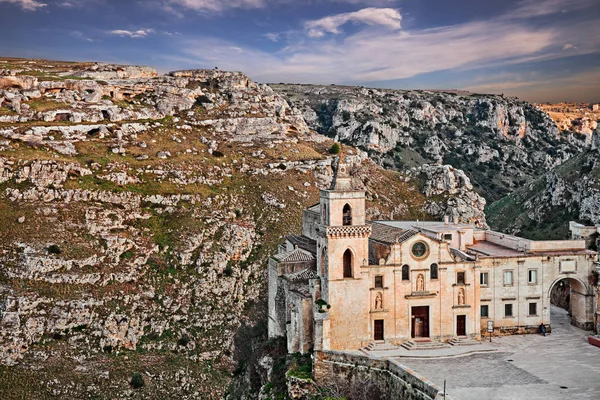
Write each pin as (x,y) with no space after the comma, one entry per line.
(538,50)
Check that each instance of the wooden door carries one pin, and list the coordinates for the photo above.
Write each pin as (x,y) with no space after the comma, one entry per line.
(461,325)
(418,327)
(420,322)
(378,329)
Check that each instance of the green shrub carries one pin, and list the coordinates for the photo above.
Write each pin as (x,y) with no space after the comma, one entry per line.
(228,270)
(137,380)
(54,249)
(335,149)
(183,340)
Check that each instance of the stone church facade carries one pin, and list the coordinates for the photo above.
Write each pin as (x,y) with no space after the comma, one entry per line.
(345,282)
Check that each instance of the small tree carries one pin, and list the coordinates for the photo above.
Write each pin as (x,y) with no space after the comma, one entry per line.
(137,380)
(54,249)
(335,149)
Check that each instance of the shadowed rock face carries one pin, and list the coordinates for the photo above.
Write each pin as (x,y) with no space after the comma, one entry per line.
(568,192)
(501,143)
(135,226)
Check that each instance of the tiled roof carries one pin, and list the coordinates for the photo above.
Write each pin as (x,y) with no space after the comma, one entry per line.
(303,275)
(389,234)
(296,255)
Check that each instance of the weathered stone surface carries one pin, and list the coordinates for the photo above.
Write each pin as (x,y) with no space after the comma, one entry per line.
(501,143)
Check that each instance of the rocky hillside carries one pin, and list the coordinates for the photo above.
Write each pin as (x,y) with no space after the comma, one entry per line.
(137,214)
(543,209)
(501,143)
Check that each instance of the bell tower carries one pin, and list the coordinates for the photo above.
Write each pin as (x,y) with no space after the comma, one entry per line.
(343,258)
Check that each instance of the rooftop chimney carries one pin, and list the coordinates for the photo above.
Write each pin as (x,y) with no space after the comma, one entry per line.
(446,219)
(456,220)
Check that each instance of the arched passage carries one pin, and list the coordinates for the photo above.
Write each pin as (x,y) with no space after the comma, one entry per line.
(573,295)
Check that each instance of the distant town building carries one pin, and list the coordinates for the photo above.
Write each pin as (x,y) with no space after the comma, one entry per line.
(595,107)
(346,283)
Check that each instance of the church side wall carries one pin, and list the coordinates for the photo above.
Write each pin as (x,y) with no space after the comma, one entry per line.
(274,323)
(521,293)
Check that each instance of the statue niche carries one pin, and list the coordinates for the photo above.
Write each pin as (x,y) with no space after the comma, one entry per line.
(461,297)
(420,283)
(379,301)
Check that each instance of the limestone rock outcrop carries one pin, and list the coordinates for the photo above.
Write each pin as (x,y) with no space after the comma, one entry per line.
(568,192)
(501,143)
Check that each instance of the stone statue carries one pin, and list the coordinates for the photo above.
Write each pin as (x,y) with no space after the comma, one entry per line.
(461,297)
(420,283)
(378,301)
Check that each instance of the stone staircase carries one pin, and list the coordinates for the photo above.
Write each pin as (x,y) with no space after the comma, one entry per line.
(373,346)
(464,342)
(424,345)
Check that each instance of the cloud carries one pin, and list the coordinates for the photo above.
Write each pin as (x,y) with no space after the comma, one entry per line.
(386,17)
(582,86)
(28,5)
(141,33)
(81,36)
(214,5)
(79,3)
(217,6)
(374,55)
(274,37)
(539,8)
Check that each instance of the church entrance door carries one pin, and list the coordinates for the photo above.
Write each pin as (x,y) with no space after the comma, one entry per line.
(461,325)
(378,329)
(420,322)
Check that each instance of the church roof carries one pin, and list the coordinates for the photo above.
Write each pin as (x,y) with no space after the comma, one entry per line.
(303,275)
(296,255)
(303,242)
(390,234)
(315,207)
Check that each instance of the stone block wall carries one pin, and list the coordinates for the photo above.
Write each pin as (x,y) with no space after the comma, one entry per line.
(395,381)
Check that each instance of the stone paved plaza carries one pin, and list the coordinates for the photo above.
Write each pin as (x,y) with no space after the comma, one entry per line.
(559,366)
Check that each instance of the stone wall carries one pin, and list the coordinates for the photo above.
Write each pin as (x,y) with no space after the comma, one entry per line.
(394,381)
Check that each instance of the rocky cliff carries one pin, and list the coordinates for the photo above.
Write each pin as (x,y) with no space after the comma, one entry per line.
(501,143)
(543,208)
(137,213)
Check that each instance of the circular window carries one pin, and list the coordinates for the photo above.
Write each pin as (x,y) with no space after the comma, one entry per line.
(419,250)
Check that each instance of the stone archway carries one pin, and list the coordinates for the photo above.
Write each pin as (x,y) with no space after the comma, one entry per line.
(577,298)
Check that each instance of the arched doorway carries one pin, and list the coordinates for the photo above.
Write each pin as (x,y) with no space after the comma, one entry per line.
(573,296)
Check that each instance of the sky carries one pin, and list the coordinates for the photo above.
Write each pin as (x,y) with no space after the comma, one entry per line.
(537,50)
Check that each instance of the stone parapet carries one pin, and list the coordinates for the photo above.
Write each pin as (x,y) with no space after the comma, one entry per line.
(394,380)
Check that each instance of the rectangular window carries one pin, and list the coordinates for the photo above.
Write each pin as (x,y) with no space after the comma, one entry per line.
(484,311)
(483,278)
(379,281)
(508,312)
(448,237)
(532,309)
(433,271)
(405,273)
(532,276)
(460,278)
(508,277)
